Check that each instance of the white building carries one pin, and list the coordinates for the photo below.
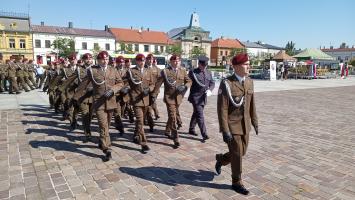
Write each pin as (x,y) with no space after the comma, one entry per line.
(260,49)
(85,40)
(341,54)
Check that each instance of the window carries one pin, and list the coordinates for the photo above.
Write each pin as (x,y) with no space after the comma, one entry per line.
(38,43)
(47,44)
(226,53)
(23,44)
(161,49)
(146,48)
(196,39)
(136,47)
(12,43)
(96,46)
(346,58)
(107,46)
(156,48)
(84,46)
(221,53)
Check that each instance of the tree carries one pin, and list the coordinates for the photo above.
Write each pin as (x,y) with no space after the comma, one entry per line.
(96,50)
(174,49)
(290,48)
(343,45)
(236,51)
(196,52)
(123,47)
(352,62)
(64,46)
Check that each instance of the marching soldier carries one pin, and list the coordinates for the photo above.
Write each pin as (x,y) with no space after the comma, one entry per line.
(31,71)
(153,110)
(126,106)
(140,86)
(176,82)
(11,74)
(3,74)
(26,74)
(20,73)
(118,111)
(236,113)
(51,74)
(83,96)
(106,83)
(202,85)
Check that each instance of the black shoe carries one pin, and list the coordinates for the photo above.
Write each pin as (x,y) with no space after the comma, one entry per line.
(100,145)
(179,126)
(240,189)
(176,145)
(151,129)
(73,126)
(108,155)
(131,120)
(145,149)
(205,137)
(18,92)
(87,139)
(157,117)
(192,133)
(121,130)
(218,166)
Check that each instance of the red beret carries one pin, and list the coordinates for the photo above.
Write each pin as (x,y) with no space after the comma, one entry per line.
(174,57)
(87,56)
(150,56)
(140,57)
(61,60)
(120,59)
(240,59)
(72,56)
(102,55)
(127,60)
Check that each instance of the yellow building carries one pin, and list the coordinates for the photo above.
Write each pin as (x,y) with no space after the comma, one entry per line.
(16,38)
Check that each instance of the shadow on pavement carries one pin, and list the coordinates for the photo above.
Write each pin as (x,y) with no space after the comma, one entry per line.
(173,177)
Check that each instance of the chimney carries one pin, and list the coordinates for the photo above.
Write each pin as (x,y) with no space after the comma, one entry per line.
(131,27)
(70,24)
(42,23)
(222,37)
(148,29)
(141,29)
(331,47)
(106,27)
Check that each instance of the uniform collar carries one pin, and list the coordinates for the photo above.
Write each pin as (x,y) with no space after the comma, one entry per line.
(239,78)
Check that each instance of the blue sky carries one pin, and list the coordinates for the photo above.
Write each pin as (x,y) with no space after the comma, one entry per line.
(308,23)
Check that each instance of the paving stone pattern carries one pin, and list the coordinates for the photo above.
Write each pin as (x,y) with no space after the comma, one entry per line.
(305,150)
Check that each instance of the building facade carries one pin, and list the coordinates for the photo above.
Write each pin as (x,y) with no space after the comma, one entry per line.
(133,41)
(192,36)
(85,40)
(341,54)
(222,48)
(16,38)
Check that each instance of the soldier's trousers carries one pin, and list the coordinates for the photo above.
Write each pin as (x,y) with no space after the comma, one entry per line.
(140,112)
(178,118)
(21,81)
(198,117)
(51,96)
(117,114)
(171,124)
(40,80)
(2,83)
(126,107)
(28,82)
(86,114)
(13,85)
(104,119)
(153,109)
(31,79)
(237,149)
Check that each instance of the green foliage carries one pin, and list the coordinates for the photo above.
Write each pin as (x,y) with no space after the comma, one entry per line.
(352,62)
(196,52)
(129,49)
(123,46)
(174,49)
(290,48)
(64,46)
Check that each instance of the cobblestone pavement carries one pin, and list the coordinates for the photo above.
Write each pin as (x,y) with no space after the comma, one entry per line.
(305,150)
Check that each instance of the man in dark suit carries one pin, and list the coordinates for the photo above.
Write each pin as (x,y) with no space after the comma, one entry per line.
(202,85)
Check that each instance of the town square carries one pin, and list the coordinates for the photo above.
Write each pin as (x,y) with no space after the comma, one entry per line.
(176,101)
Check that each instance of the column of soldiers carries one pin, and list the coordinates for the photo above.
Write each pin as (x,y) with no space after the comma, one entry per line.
(117,90)
(18,72)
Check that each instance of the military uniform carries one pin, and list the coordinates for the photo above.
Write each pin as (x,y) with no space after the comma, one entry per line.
(118,111)
(11,74)
(202,83)
(236,113)
(173,79)
(140,85)
(106,82)
(3,75)
(21,74)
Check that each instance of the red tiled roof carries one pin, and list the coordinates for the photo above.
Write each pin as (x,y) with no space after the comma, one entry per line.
(338,50)
(70,31)
(227,43)
(145,36)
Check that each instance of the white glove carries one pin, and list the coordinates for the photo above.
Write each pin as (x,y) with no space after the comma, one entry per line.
(208,93)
